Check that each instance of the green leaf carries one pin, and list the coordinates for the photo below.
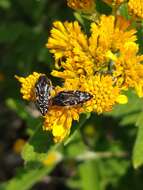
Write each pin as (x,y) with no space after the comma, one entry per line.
(138,147)
(26,178)
(134,105)
(89,175)
(112,171)
(78,17)
(124,11)
(38,146)
(72,149)
(103,8)
(5,4)
(78,125)
(35,153)
(129,119)
(10,32)
(18,107)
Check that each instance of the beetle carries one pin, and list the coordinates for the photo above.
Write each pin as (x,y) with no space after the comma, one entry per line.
(43,88)
(71,98)
(44,100)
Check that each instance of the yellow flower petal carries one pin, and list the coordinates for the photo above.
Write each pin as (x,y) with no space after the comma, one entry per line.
(59,121)
(111,56)
(27,86)
(122,99)
(58,130)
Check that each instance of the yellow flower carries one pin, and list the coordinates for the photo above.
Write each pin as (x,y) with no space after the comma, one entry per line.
(110,34)
(87,60)
(136,7)
(105,93)
(128,68)
(103,64)
(84,55)
(68,41)
(81,5)
(101,87)
(73,69)
(59,121)
(27,86)
(64,39)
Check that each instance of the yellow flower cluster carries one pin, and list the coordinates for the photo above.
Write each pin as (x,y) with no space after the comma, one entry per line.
(136,7)
(104,64)
(128,68)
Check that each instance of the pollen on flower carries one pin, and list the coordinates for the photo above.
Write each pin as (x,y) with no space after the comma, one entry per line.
(136,7)
(27,86)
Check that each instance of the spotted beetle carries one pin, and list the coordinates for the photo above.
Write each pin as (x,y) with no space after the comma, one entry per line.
(71,98)
(43,88)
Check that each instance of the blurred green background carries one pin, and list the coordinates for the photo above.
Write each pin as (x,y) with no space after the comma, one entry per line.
(109,139)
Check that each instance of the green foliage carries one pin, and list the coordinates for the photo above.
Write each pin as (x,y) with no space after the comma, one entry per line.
(89,175)
(38,146)
(98,153)
(26,178)
(138,147)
